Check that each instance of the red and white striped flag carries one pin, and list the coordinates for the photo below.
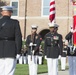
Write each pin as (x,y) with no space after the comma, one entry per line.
(52,11)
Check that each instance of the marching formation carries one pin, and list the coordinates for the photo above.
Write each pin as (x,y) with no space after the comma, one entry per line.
(55,47)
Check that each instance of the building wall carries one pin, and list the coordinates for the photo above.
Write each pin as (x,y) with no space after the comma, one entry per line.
(63,16)
(32,14)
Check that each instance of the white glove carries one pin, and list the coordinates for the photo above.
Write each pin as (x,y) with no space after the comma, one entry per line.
(66,42)
(71,30)
(18,56)
(33,52)
(59,57)
(31,44)
(74,48)
(45,57)
(35,44)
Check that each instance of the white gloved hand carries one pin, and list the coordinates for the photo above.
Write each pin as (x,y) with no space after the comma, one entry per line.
(45,57)
(66,42)
(35,44)
(59,57)
(33,52)
(71,30)
(31,44)
(18,56)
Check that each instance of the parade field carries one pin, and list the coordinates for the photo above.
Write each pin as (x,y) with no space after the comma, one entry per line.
(22,69)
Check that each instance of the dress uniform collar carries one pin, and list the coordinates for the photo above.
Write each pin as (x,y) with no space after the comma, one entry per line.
(51,32)
(6,17)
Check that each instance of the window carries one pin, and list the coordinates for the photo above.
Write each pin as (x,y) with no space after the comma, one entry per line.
(45,7)
(15,4)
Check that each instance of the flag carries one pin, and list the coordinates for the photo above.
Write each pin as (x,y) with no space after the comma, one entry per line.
(74,28)
(52,11)
(74,23)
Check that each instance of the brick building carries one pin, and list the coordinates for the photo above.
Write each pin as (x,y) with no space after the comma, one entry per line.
(30,12)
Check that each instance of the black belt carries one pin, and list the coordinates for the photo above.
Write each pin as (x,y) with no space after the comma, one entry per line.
(7,38)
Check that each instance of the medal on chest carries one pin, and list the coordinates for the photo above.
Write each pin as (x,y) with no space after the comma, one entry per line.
(36,37)
(55,37)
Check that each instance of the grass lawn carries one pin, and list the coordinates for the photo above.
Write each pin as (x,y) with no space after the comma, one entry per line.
(22,69)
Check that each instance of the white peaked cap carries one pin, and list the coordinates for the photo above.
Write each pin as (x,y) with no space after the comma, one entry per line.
(56,25)
(34,26)
(7,8)
(51,24)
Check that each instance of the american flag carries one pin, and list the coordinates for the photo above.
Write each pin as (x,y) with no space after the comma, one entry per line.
(52,11)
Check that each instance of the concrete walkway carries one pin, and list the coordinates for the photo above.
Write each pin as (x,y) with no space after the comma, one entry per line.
(59,73)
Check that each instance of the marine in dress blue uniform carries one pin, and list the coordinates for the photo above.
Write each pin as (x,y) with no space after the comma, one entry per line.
(10,41)
(33,42)
(71,55)
(52,49)
(63,56)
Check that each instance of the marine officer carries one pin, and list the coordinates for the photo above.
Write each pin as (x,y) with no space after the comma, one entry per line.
(10,41)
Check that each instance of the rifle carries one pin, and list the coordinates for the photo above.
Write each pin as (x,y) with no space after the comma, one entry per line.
(71,46)
(72,49)
(24,49)
(40,50)
(32,51)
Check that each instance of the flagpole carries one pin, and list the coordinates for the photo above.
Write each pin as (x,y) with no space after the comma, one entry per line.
(25,20)
(68,18)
